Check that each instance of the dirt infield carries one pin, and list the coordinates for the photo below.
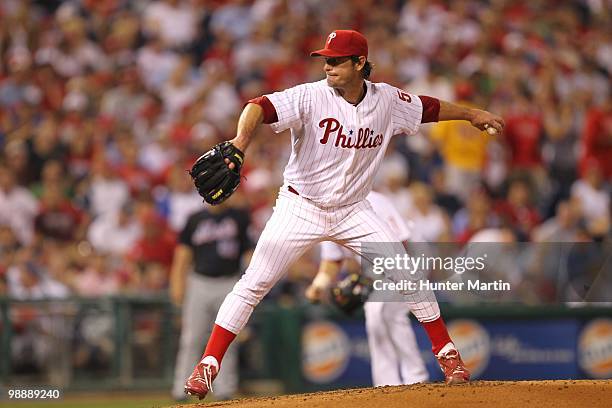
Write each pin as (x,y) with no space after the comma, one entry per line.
(540,394)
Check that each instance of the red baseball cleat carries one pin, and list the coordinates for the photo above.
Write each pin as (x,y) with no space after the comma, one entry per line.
(200,381)
(452,366)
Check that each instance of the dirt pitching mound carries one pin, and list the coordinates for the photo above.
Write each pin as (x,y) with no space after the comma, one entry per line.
(540,394)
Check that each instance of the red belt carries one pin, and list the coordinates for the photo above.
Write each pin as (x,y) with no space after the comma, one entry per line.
(292,190)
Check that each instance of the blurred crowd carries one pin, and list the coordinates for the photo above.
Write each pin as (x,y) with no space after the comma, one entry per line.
(105,104)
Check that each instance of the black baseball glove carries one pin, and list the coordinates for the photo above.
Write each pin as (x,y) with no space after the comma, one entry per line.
(350,293)
(213,179)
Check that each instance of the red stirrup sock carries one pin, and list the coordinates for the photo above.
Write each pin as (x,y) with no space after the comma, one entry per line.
(220,339)
(438,335)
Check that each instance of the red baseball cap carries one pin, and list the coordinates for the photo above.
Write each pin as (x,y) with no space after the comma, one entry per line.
(343,43)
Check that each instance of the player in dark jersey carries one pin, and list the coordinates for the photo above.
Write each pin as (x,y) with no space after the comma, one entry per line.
(210,247)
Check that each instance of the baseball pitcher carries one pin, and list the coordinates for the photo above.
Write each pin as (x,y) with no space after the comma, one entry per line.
(340,128)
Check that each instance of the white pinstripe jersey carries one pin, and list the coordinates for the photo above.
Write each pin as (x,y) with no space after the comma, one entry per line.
(337,147)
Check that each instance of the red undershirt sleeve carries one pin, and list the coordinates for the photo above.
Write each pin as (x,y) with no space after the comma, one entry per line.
(269,111)
(431,109)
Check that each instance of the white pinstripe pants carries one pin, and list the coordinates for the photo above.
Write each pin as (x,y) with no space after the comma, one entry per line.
(394,353)
(296,225)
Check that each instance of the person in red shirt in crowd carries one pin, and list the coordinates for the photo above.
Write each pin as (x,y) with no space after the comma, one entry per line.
(51,85)
(523,135)
(156,243)
(597,138)
(516,211)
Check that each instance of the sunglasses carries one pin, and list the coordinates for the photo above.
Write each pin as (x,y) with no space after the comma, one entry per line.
(334,61)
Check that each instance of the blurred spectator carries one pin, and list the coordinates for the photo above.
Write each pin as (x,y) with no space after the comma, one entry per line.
(154,279)
(8,248)
(516,211)
(45,145)
(493,235)
(156,244)
(559,151)
(463,149)
(428,220)
(287,70)
(126,100)
(447,201)
(221,99)
(17,88)
(81,151)
(523,134)
(158,156)
(393,176)
(77,101)
(251,56)
(597,138)
(179,200)
(56,264)
(563,227)
(221,50)
(592,193)
(28,280)
(173,21)
(18,207)
(3,288)
(234,18)
(115,232)
(51,87)
(181,89)
(107,192)
(432,83)
(72,53)
(58,218)
(53,175)
(16,154)
(96,278)
(128,166)
(148,126)
(475,216)
(423,23)
(155,63)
